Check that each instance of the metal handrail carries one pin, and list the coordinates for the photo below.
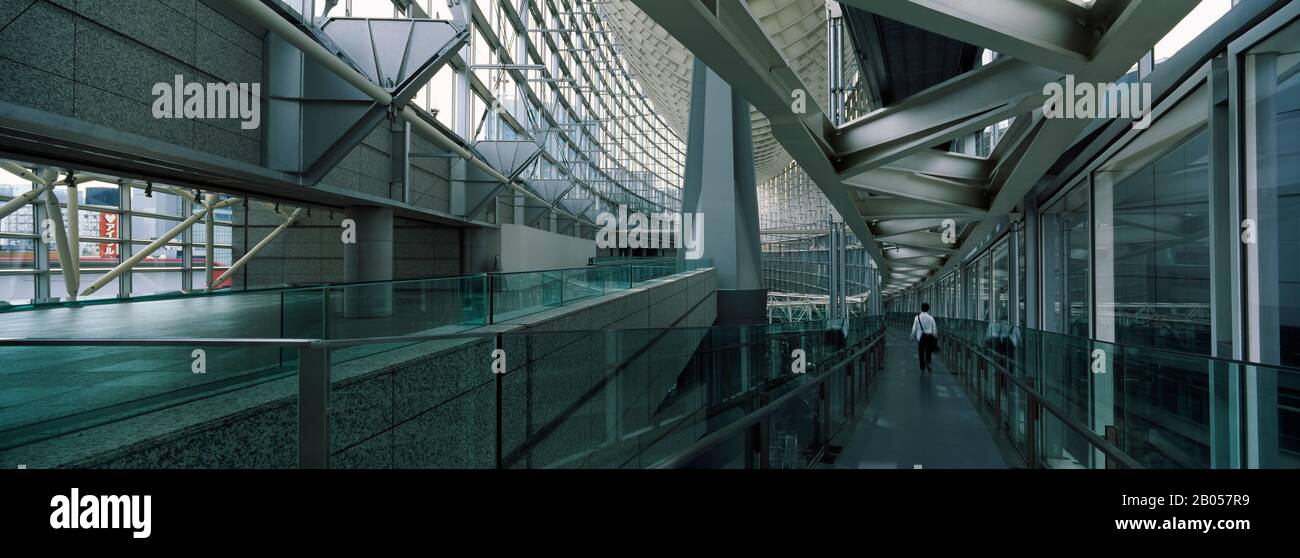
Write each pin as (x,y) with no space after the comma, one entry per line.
(155,342)
(1155,350)
(1110,450)
(719,436)
(320,343)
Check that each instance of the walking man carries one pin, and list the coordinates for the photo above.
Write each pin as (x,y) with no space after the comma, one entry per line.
(925,331)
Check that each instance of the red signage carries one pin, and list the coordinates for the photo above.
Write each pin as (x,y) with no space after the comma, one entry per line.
(108,229)
(216,273)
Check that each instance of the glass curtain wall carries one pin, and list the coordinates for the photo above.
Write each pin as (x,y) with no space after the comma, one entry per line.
(1001,283)
(567,85)
(1272,195)
(114,221)
(1271,204)
(1153,233)
(1066,269)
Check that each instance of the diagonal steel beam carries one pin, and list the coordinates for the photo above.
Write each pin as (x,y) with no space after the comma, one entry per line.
(945,164)
(960,106)
(252,252)
(899,226)
(910,185)
(732,43)
(1051,33)
(908,273)
(1139,25)
(899,208)
(924,240)
(926,262)
(905,253)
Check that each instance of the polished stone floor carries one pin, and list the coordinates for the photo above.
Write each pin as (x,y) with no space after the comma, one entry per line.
(917,420)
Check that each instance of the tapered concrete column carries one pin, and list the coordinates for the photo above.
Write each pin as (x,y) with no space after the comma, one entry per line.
(720,186)
(370,258)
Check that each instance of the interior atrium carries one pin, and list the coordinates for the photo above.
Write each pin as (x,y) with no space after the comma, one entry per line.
(628,234)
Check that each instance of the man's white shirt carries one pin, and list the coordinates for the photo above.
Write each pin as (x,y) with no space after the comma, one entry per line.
(924,323)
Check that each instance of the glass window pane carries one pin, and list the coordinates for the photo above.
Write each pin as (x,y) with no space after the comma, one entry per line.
(98,193)
(167,256)
(1021,260)
(165,204)
(1066,277)
(155,282)
(58,289)
(224,234)
(1154,234)
(21,221)
(199,279)
(151,228)
(97,224)
(1001,283)
(17,253)
(94,255)
(17,287)
(1273,198)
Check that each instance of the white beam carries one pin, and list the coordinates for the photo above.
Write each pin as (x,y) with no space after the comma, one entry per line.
(208,206)
(256,248)
(54,213)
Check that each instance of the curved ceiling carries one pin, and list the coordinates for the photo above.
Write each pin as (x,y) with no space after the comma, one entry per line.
(663,66)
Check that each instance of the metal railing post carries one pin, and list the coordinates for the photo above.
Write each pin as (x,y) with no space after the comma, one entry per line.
(1112,436)
(325,311)
(824,437)
(314,407)
(997,401)
(491,306)
(1031,434)
(760,441)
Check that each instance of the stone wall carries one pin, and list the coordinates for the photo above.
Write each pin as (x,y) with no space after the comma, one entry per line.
(311,250)
(434,404)
(98,62)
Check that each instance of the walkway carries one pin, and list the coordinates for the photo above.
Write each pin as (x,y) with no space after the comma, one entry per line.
(914,419)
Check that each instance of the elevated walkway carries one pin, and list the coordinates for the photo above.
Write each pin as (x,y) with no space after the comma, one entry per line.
(632,378)
(916,420)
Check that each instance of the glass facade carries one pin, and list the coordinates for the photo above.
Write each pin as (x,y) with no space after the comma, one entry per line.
(115,220)
(1272,196)
(1153,251)
(1066,276)
(1176,243)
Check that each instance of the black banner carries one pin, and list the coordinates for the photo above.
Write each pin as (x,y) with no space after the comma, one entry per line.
(323,508)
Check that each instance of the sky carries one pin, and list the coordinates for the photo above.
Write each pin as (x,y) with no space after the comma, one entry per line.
(1201,17)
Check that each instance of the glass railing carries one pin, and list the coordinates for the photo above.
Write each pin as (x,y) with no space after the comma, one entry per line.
(51,390)
(623,260)
(334,311)
(790,422)
(55,389)
(604,399)
(1161,408)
